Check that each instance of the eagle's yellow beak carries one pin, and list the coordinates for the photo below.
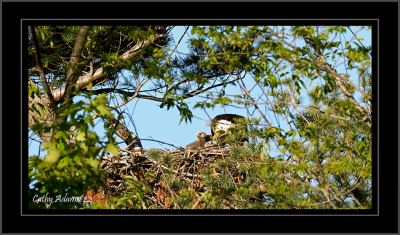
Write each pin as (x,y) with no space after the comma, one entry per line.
(215,136)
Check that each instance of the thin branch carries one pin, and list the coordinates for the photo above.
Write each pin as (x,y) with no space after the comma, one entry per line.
(194,206)
(329,43)
(155,141)
(128,93)
(252,101)
(35,140)
(140,86)
(39,68)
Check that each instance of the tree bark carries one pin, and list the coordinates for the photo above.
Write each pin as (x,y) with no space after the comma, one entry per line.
(72,76)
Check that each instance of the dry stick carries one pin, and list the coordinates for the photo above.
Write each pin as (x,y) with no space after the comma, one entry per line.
(194,170)
(188,171)
(159,143)
(101,82)
(130,145)
(301,115)
(155,201)
(232,177)
(194,206)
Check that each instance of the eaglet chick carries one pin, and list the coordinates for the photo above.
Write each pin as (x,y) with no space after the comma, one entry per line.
(202,138)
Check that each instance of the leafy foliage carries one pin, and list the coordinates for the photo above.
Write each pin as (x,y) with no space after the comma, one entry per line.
(71,163)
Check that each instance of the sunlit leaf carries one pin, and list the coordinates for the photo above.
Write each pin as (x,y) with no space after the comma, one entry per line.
(111,147)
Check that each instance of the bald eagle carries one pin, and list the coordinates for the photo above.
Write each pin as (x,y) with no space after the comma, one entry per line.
(202,138)
(220,125)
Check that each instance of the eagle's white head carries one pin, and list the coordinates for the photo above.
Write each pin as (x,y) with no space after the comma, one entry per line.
(222,125)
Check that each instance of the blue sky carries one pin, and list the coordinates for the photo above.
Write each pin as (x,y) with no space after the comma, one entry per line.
(161,124)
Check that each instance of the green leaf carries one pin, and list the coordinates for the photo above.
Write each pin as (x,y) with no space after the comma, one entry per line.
(46,145)
(100,103)
(150,175)
(111,147)
(93,162)
(80,135)
(37,128)
(124,97)
(360,145)
(89,86)
(52,156)
(314,142)
(63,163)
(148,189)
(104,111)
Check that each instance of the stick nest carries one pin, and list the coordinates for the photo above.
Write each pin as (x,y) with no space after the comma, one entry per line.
(166,165)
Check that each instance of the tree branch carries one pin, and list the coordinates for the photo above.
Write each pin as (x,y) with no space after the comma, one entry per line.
(337,78)
(128,93)
(72,76)
(141,85)
(84,80)
(39,68)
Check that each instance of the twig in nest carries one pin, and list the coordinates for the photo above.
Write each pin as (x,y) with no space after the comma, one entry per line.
(194,206)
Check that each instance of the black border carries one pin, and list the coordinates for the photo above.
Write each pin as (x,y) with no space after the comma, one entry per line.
(388,18)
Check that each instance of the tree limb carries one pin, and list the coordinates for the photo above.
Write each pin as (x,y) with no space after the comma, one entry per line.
(86,79)
(72,76)
(39,68)
(141,85)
